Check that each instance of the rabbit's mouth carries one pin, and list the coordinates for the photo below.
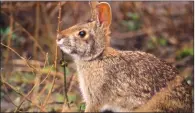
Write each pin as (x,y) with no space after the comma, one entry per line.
(65,49)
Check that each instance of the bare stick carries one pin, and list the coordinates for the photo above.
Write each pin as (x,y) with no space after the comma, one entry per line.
(30,36)
(36,30)
(10,33)
(55,62)
(20,93)
(32,90)
(8,95)
(59,17)
(33,68)
(64,64)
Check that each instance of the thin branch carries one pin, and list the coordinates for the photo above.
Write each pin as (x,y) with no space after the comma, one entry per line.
(33,89)
(46,75)
(65,87)
(46,60)
(20,93)
(64,64)
(30,36)
(33,68)
(10,33)
(55,62)
(9,96)
(59,17)
(36,29)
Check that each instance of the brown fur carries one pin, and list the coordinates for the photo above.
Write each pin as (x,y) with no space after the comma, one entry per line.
(175,97)
(117,80)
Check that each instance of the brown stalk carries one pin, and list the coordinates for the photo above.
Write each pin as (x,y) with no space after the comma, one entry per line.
(7,94)
(36,36)
(55,62)
(31,67)
(30,36)
(46,60)
(32,90)
(53,73)
(10,33)
(20,93)
(48,28)
(36,30)
(64,65)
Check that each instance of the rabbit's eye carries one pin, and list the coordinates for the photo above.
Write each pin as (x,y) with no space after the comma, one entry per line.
(82,34)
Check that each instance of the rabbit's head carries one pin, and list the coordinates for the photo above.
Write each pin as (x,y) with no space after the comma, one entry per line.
(86,41)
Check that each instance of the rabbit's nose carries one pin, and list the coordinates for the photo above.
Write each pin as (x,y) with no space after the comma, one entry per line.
(59,37)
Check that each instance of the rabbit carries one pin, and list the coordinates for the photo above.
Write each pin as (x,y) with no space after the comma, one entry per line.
(111,80)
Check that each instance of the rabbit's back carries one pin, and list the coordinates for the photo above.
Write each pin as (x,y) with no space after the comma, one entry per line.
(128,78)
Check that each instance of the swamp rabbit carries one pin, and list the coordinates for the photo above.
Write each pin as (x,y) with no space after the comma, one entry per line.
(116,81)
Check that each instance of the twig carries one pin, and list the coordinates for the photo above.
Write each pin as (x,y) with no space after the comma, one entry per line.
(46,60)
(30,36)
(24,98)
(46,75)
(53,73)
(34,63)
(36,30)
(59,17)
(36,35)
(70,83)
(20,93)
(10,33)
(9,96)
(65,88)
(33,68)
(32,90)
(48,27)
(55,62)
(64,64)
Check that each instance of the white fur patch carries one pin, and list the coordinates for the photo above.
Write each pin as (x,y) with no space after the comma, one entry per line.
(60,43)
(65,50)
(82,85)
(112,108)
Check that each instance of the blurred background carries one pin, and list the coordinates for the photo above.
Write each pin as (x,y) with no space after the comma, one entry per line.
(29,81)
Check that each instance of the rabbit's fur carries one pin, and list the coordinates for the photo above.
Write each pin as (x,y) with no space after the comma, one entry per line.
(111,79)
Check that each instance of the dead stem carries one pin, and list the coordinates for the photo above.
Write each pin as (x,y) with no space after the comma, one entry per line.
(48,28)
(55,62)
(10,33)
(20,93)
(64,66)
(36,29)
(36,84)
(30,36)
(46,60)
(35,55)
(33,68)
(8,95)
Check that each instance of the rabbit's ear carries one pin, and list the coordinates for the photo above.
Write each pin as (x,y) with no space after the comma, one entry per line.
(93,5)
(104,14)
